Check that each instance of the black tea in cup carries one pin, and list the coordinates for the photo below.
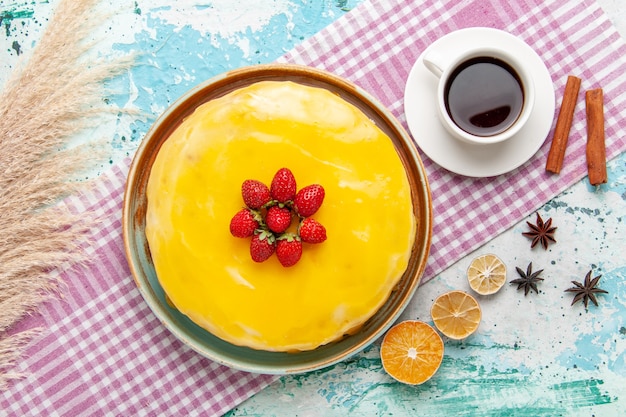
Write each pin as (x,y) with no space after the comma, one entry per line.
(484,96)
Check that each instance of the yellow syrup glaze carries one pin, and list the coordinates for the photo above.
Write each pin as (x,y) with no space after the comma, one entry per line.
(195,188)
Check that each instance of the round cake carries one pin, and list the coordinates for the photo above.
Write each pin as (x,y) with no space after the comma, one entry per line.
(194,189)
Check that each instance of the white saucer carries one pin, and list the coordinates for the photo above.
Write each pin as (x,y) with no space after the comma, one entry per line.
(477,160)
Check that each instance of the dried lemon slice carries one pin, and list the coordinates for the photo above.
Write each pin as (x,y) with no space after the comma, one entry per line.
(456,314)
(486,274)
(411,352)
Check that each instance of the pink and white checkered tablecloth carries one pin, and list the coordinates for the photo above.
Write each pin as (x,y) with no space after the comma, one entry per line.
(104,353)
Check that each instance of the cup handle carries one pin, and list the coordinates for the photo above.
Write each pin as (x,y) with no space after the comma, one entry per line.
(435,63)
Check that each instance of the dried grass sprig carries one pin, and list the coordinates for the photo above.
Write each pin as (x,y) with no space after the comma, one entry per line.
(53,97)
(10,349)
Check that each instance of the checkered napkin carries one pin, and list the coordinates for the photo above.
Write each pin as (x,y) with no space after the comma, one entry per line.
(104,353)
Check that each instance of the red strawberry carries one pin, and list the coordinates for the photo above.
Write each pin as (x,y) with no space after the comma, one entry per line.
(262,246)
(255,194)
(308,200)
(283,187)
(312,231)
(278,219)
(288,249)
(244,223)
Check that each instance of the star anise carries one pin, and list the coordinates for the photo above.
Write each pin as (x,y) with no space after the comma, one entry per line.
(541,232)
(586,291)
(528,280)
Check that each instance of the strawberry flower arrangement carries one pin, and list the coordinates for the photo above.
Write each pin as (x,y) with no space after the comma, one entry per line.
(269,213)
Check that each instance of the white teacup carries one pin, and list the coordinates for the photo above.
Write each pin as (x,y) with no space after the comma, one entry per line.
(484,96)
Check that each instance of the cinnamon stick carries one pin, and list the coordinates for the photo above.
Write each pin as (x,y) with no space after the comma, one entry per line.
(563,125)
(596,149)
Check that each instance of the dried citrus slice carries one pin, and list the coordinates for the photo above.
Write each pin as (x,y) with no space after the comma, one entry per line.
(486,274)
(456,314)
(411,352)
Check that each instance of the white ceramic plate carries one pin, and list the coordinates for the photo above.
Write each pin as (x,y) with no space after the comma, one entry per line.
(477,160)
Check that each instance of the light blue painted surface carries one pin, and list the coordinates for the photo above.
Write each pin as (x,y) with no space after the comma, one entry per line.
(532,356)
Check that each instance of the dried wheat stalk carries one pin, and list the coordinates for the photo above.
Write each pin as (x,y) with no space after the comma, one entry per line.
(57,94)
